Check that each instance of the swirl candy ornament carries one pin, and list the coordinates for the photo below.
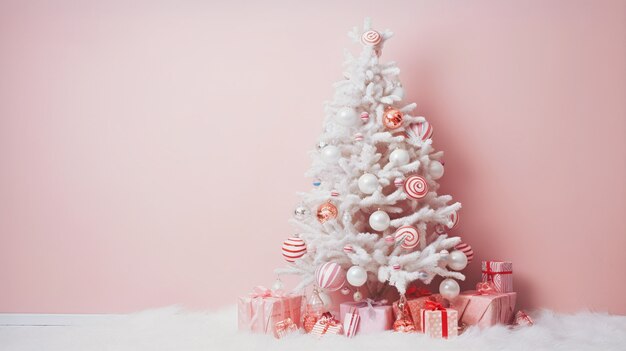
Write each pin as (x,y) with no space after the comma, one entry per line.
(416,187)
(371,38)
(407,236)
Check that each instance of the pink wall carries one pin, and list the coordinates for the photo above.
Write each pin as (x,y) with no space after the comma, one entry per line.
(149,154)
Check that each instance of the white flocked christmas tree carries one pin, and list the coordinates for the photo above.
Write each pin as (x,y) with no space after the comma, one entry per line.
(374,214)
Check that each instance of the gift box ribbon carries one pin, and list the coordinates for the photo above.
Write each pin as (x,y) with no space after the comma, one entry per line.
(263,292)
(490,273)
(436,306)
(370,306)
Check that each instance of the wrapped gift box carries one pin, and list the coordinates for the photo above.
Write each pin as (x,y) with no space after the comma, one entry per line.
(500,273)
(267,312)
(373,317)
(484,310)
(327,324)
(415,306)
(440,322)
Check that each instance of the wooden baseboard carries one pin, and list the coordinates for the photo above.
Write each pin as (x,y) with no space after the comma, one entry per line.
(37,319)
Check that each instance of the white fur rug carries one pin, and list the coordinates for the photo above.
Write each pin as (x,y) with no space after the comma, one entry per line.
(174,329)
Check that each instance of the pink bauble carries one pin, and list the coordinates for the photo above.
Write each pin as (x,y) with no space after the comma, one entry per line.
(396,267)
(415,187)
(348,249)
(365,116)
(421,131)
(330,276)
(407,236)
(293,248)
(467,250)
(358,137)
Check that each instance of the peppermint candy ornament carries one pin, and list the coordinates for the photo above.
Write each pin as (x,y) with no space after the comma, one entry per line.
(421,131)
(416,187)
(293,249)
(371,38)
(330,276)
(407,236)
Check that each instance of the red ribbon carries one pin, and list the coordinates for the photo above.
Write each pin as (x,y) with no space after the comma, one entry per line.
(486,288)
(491,273)
(414,292)
(436,306)
(263,292)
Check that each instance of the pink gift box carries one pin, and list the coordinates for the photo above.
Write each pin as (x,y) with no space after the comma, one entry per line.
(440,324)
(484,310)
(415,306)
(261,314)
(373,319)
(500,273)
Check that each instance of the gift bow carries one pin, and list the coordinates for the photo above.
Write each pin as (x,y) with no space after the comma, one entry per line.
(370,306)
(263,292)
(415,292)
(486,288)
(433,306)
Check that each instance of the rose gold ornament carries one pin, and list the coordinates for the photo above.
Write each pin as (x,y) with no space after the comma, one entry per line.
(326,211)
(392,118)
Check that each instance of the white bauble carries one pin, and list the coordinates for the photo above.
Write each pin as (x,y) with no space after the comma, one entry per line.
(379,220)
(368,183)
(356,276)
(399,157)
(436,169)
(330,154)
(449,288)
(457,260)
(326,299)
(347,117)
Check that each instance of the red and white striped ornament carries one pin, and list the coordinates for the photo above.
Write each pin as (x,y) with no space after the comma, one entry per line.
(398,182)
(371,38)
(407,236)
(330,276)
(348,249)
(365,117)
(421,131)
(467,250)
(293,248)
(416,187)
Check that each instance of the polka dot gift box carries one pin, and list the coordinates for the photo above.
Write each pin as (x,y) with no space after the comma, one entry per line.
(438,321)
